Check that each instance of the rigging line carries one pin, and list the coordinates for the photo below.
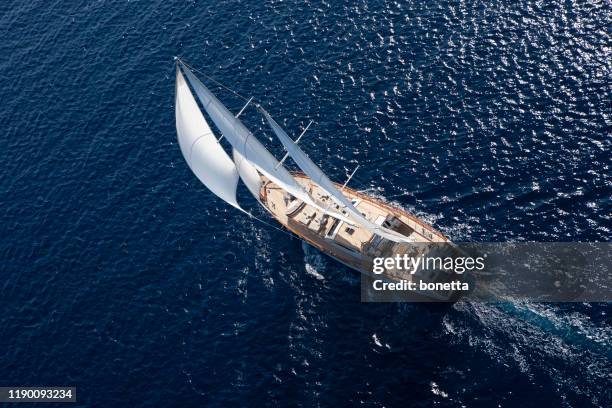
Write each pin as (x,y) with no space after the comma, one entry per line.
(248,101)
(268,224)
(179,59)
(212,79)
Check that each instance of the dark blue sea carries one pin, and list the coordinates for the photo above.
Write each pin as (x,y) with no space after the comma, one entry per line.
(123,276)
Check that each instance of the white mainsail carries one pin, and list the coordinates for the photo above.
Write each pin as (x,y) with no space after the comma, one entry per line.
(247,146)
(200,148)
(317,176)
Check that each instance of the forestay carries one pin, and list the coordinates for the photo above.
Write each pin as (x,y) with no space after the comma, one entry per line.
(200,148)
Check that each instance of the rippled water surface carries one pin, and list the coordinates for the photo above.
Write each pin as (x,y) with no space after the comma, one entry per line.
(122,275)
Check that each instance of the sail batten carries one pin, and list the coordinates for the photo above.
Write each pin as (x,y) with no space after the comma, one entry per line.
(318,177)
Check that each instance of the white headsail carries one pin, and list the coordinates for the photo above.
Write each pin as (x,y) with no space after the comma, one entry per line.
(248,174)
(200,147)
(247,146)
(318,177)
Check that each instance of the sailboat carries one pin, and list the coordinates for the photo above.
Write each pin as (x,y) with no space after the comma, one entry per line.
(349,226)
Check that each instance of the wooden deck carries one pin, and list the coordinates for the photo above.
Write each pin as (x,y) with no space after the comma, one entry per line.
(352,245)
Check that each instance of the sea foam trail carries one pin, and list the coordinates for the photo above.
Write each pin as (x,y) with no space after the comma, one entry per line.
(574,329)
(314,261)
(539,340)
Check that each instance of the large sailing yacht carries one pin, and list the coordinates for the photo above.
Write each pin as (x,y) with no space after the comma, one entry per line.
(347,225)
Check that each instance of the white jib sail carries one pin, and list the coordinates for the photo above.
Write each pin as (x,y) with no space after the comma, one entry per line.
(203,153)
(248,174)
(317,176)
(248,146)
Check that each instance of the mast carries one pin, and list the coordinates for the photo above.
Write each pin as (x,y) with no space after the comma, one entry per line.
(318,176)
(247,145)
(296,142)
(349,178)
